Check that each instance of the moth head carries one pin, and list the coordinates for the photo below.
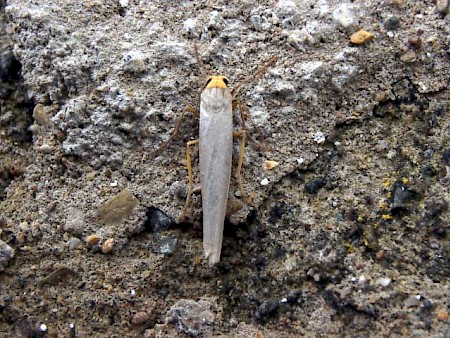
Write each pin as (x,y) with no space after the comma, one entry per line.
(217,82)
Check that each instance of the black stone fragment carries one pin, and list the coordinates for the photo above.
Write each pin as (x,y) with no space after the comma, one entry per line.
(267,309)
(446,156)
(313,186)
(157,220)
(392,23)
(401,196)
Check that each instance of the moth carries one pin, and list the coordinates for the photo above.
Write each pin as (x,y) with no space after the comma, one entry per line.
(215,142)
(215,158)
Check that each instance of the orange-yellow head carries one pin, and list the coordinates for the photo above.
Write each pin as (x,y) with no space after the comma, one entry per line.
(217,81)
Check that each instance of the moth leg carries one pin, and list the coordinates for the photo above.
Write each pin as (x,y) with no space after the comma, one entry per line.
(165,144)
(245,114)
(190,177)
(259,73)
(243,135)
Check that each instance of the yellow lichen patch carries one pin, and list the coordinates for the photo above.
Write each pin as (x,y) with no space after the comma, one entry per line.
(388,182)
(384,206)
(361,37)
(386,217)
(405,180)
(269,165)
(350,248)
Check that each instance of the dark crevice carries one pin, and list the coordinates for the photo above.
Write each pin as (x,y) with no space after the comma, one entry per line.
(16,113)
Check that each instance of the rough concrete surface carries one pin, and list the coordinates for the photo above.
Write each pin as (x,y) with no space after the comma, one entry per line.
(348,232)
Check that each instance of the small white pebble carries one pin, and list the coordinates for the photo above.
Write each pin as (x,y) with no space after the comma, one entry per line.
(344,15)
(418,297)
(362,279)
(189,26)
(300,160)
(384,281)
(264,181)
(45,148)
(319,137)
(113,184)
(71,325)
(43,328)
(123,3)
(391,154)
(284,300)
(353,279)
(132,292)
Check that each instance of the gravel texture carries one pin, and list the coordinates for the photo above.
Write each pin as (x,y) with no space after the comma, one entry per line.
(348,163)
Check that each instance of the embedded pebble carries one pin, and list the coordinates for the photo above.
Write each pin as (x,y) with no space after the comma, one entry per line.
(256,21)
(264,181)
(165,245)
(442,315)
(401,196)
(409,57)
(191,317)
(344,15)
(108,245)
(40,115)
(140,318)
(92,240)
(215,20)
(361,37)
(313,186)
(343,73)
(287,23)
(190,27)
(415,42)
(267,309)
(446,156)
(157,220)
(392,23)
(412,300)
(45,148)
(117,208)
(319,137)
(286,8)
(75,221)
(269,165)
(74,243)
(384,281)
(382,145)
(133,62)
(6,254)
